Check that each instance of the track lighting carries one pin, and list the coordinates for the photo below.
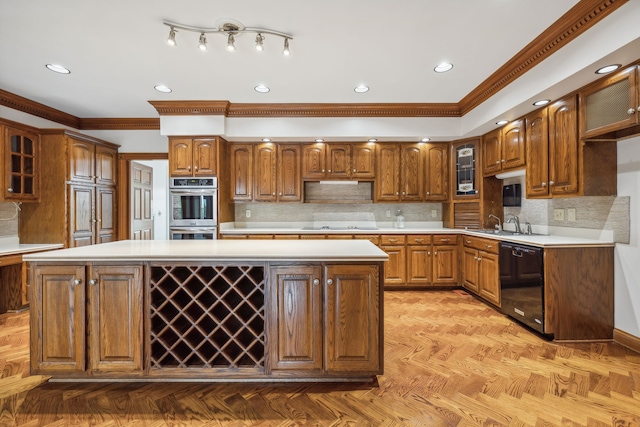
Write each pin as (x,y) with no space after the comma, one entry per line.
(202,44)
(171,41)
(231,30)
(259,40)
(230,40)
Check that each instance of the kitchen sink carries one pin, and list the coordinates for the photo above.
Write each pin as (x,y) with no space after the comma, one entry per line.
(351,227)
(495,232)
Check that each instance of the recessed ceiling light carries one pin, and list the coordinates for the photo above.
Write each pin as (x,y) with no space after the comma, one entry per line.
(502,122)
(541,102)
(266,139)
(372,139)
(608,69)
(261,89)
(443,68)
(162,88)
(361,89)
(58,68)
(319,140)
(425,140)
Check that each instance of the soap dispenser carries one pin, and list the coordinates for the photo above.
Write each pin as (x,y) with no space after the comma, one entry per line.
(399,220)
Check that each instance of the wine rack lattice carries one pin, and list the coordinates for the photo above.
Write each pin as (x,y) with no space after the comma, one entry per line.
(205,316)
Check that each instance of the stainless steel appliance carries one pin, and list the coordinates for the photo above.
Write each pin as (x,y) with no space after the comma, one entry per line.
(522,284)
(193,213)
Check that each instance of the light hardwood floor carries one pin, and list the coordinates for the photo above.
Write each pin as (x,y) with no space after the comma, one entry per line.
(450,361)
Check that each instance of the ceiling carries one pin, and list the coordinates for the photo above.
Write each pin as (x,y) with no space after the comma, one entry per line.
(117,52)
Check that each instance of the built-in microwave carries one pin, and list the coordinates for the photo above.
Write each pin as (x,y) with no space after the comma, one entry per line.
(193,202)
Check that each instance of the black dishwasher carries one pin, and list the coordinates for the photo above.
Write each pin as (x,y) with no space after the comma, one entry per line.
(522,284)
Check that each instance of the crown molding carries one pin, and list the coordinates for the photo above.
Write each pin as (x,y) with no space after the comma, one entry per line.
(576,21)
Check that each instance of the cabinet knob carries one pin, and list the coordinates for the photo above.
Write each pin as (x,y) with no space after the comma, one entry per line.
(502,161)
(428,192)
(77,281)
(354,171)
(329,170)
(316,282)
(92,282)
(428,252)
(497,162)
(551,182)
(631,111)
(436,253)
(544,184)
(188,168)
(273,194)
(329,281)
(397,193)
(10,190)
(280,193)
(322,170)
(479,259)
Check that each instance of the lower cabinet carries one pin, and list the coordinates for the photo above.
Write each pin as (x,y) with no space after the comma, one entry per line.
(480,269)
(325,319)
(86,320)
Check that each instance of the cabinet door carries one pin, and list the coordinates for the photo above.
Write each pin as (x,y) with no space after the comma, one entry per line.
(204,157)
(352,315)
(610,104)
(466,169)
(491,153)
(412,172)
(437,172)
(564,147)
(115,331)
(395,267)
(419,265)
(313,161)
(338,161)
(387,184)
(58,320)
(265,172)
(289,179)
(445,265)
(489,277)
(21,165)
(180,156)
(241,171)
(81,216)
(106,161)
(363,160)
(513,145)
(82,161)
(537,149)
(470,269)
(296,332)
(106,214)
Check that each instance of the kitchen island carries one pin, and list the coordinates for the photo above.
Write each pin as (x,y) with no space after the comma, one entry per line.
(209,311)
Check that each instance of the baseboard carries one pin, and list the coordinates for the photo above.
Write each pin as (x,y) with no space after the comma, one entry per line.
(627,340)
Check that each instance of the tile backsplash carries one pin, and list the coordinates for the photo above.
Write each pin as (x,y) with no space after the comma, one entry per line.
(8,219)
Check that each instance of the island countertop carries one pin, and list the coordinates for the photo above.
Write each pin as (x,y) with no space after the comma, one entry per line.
(219,250)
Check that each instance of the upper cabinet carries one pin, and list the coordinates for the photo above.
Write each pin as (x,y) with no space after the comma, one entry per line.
(21,156)
(338,161)
(611,104)
(504,149)
(466,169)
(192,157)
(399,172)
(437,172)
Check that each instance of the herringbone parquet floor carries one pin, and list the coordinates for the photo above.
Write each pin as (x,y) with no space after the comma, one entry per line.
(450,361)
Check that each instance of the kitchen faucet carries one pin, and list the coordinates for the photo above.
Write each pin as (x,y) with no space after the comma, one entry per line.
(515,220)
(499,226)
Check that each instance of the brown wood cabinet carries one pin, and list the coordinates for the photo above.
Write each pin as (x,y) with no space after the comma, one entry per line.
(419,260)
(559,163)
(77,205)
(341,300)
(610,104)
(480,269)
(192,157)
(504,149)
(437,172)
(338,161)
(399,172)
(445,260)
(20,154)
(241,161)
(87,320)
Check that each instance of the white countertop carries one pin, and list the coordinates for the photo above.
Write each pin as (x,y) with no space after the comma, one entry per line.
(11,247)
(219,250)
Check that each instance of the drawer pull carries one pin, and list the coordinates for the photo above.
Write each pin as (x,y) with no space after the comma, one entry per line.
(445,240)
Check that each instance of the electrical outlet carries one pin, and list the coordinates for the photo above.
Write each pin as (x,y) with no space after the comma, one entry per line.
(558,214)
(434,213)
(571,214)
(247,213)
(388,213)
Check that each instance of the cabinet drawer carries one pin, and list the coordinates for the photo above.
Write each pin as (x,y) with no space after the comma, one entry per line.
(487,245)
(419,239)
(445,239)
(10,259)
(373,238)
(393,239)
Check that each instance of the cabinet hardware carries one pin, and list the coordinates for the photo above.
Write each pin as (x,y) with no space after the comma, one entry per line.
(544,184)
(92,282)
(316,282)
(77,281)
(329,281)
(631,111)
(10,190)
(188,168)
(551,182)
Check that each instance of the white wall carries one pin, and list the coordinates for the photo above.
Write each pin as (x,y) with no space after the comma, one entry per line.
(627,268)
(160,199)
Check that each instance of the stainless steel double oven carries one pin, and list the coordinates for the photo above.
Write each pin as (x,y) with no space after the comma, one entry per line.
(193,208)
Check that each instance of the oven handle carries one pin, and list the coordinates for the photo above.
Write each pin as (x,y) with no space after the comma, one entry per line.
(211,191)
(517,253)
(201,229)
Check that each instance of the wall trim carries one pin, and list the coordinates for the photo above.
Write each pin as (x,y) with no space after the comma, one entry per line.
(626,339)
(576,21)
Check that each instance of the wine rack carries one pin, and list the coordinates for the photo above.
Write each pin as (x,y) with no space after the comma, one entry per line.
(207,316)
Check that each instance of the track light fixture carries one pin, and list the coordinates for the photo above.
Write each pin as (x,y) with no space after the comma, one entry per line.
(231,30)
